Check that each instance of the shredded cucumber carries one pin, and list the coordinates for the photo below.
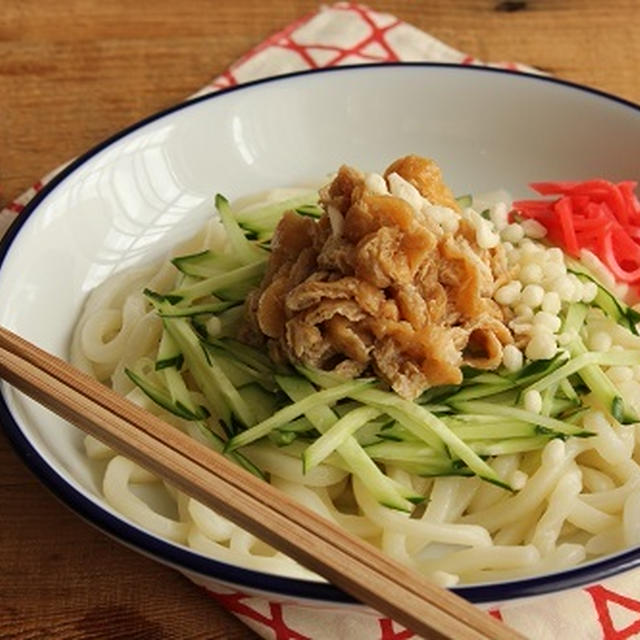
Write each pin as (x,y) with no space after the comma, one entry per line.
(244,353)
(497,428)
(162,397)
(196,310)
(330,440)
(612,306)
(245,251)
(357,424)
(585,359)
(206,374)
(325,397)
(464,201)
(357,461)
(603,389)
(239,373)
(259,223)
(420,422)
(206,264)
(489,408)
(231,285)
(169,355)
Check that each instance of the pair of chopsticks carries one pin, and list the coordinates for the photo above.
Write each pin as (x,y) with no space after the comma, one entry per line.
(353,565)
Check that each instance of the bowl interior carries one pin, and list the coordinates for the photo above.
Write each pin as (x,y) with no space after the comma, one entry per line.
(134,197)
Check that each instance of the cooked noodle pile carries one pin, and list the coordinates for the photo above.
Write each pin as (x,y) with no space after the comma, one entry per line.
(440,300)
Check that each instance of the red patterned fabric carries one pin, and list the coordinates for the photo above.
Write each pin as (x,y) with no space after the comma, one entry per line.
(234,602)
(349,33)
(603,598)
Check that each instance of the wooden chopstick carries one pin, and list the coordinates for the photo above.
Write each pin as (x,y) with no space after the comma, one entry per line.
(352,564)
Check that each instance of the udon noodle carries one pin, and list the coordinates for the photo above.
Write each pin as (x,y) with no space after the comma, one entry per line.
(572,499)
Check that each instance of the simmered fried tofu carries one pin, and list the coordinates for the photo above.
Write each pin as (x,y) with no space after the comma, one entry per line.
(395,283)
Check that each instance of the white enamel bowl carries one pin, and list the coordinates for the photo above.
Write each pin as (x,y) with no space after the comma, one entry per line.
(129,199)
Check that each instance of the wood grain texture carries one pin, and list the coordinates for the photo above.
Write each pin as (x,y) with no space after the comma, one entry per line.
(61,578)
(75,71)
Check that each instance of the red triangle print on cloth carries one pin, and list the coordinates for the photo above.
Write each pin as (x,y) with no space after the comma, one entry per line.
(387,632)
(233,603)
(602,598)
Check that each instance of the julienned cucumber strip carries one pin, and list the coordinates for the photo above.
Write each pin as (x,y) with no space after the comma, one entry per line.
(603,389)
(615,308)
(250,356)
(381,422)
(239,407)
(158,298)
(196,309)
(205,263)
(233,284)
(574,320)
(267,217)
(263,402)
(567,388)
(537,369)
(489,408)
(613,358)
(368,434)
(473,376)
(199,366)
(417,428)
(498,430)
(229,320)
(330,440)
(282,438)
(464,201)
(416,458)
(479,427)
(474,391)
(168,353)
(289,413)
(395,432)
(418,453)
(163,398)
(239,372)
(395,429)
(324,379)
(241,248)
(548,399)
(180,395)
(434,470)
(419,421)
(310,210)
(420,417)
(514,445)
(385,490)
(405,452)
(299,425)
(437,394)
(238,375)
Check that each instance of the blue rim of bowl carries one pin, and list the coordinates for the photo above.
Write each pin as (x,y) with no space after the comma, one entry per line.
(188,560)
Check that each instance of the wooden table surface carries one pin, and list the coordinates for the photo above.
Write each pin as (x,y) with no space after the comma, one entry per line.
(74,71)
